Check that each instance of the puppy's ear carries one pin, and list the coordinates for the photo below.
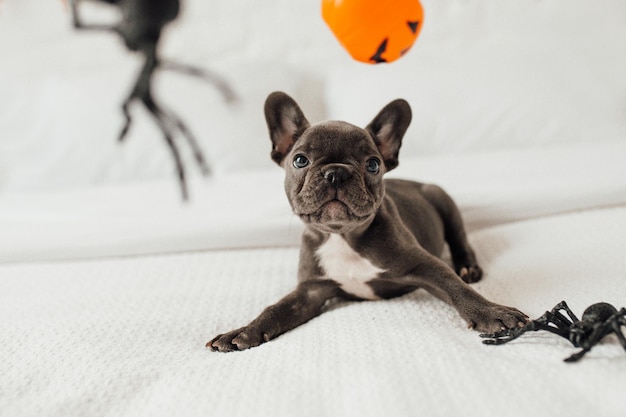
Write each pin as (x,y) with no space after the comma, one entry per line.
(285,122)
(388,128)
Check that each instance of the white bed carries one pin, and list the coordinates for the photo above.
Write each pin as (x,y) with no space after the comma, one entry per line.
(110,286)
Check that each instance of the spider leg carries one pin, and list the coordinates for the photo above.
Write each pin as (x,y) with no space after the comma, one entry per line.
(141,88)
(78,23)
(142,91)
(620,335)
(560,328)
(599,331)
(507,335)
(617,322)
(161,120)
(620,317)
(193,143)
(577,356)
(222,86)
(558,319)
(127,119)
(563,306)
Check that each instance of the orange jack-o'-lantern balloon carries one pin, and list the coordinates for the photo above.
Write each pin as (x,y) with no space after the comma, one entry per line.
(374,31)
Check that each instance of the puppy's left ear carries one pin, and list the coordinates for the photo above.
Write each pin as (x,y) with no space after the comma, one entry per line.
(285,122)
(388,128)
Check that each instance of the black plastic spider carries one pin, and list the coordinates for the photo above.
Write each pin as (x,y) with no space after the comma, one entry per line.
(140,28)
(598,321)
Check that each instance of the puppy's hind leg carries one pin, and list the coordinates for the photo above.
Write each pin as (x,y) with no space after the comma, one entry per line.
(463,256)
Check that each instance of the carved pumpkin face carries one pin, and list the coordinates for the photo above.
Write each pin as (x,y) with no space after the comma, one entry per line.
(374,31)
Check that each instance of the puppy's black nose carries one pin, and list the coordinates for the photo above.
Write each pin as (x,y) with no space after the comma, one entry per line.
(336,174)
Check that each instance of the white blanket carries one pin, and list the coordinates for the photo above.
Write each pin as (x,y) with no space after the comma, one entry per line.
(125,336)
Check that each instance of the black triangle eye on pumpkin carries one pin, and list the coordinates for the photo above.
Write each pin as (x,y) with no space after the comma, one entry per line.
(374,31)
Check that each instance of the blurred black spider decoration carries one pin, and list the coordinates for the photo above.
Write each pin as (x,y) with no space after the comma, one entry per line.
(140,28)
(598,320)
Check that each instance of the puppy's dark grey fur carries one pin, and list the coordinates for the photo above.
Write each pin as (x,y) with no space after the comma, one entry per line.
(365,237)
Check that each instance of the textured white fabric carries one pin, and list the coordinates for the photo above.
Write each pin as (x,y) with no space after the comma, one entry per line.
(125,336)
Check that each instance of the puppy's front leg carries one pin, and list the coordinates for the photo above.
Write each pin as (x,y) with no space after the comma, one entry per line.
(481,314)
(298,307)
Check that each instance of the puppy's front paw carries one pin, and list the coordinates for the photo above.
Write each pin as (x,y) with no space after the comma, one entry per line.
(494,318)
(240,339)
(470,273)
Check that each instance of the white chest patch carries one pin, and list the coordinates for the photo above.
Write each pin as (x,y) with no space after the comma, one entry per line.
(345,266)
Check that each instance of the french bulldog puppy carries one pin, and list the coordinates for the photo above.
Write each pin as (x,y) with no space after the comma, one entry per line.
(365,238)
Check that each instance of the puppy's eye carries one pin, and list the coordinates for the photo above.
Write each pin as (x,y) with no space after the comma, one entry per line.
(372,165)
(300,161)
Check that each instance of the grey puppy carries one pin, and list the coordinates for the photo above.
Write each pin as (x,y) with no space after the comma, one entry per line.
(366,238)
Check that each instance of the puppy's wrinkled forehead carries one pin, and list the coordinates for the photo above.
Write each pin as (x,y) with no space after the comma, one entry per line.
(335,140)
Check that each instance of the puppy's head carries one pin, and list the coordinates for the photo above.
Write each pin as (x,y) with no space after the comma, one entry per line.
(334,169)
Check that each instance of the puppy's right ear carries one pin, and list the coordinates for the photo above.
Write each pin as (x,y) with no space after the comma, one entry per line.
(285,122)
